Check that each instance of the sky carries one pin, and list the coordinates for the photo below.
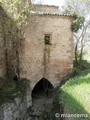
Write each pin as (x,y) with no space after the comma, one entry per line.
(51,2)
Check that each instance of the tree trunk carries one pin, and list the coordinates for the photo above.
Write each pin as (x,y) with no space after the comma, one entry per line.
(81,54)
(76,54)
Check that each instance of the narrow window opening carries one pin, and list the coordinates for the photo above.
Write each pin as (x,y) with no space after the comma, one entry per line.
(47,39)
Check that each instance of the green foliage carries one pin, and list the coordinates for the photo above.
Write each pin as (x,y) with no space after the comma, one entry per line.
(75,95)
(77,23)
(48,50)
(47,40)
(76,71)
(6,84)
(18,10)
(75,15)
(84,64)
(15,15)
(22,86)
(10,90)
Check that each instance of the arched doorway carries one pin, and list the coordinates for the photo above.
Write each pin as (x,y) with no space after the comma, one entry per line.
(42,95)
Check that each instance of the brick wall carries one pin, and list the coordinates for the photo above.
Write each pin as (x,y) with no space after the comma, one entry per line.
(35,62)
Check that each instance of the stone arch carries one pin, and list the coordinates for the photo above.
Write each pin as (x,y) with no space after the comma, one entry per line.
(42,84)
(33,84)
(42,88)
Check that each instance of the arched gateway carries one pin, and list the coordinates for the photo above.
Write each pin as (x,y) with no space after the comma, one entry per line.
(42,94)
(43,86)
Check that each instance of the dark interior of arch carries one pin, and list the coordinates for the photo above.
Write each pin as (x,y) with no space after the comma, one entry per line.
(43,87)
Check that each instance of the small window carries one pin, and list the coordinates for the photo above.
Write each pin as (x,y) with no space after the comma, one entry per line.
(47,39)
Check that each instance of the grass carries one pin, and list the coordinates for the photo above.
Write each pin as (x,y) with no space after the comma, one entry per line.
(9,89)
(75,95)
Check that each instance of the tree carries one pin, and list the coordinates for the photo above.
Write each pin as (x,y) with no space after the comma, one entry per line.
(18,10)
(81,8)
(15,20)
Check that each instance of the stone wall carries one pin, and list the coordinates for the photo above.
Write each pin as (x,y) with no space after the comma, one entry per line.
(10,42)
(36,60)
(8,39)
(15,110)
(35,63)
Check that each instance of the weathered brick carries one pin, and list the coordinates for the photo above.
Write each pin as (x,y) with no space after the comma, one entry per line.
(59,61)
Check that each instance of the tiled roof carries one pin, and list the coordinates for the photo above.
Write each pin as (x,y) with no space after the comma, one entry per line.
(47,13)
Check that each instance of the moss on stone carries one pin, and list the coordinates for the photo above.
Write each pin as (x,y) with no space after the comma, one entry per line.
(9,89)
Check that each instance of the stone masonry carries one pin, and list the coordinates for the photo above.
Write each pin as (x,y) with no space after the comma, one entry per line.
(38,60)
(53,61)
(15,110)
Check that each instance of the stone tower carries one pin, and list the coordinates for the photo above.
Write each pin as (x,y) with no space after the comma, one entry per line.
(48,46)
